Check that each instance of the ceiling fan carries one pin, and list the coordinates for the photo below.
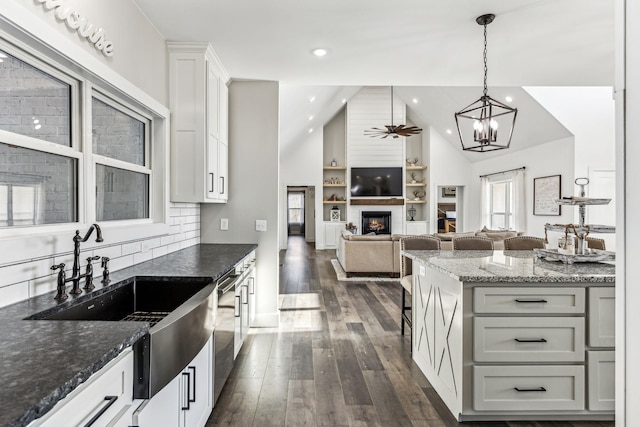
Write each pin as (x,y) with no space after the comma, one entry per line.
(394,131)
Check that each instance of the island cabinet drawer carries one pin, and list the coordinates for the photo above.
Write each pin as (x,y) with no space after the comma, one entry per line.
(528,339)
(528,388)
(522,301)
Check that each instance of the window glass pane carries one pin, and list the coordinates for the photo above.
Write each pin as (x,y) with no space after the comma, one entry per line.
(295,215)
(36,187)
(121,194)
(116,134)
(34,103)
(497,221)
(498,195)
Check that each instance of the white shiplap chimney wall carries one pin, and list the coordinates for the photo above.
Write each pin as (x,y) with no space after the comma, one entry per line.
(369,108)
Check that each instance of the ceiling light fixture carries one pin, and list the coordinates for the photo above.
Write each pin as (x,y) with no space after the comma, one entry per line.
(319,52)
(508,99)
(449,131)
(344,100)
(394,131)
(415,100)
(311,99)
(310,118)
(479,121)
(311,130)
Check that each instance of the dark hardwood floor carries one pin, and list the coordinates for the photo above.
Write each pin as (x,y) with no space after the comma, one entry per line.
(337,358)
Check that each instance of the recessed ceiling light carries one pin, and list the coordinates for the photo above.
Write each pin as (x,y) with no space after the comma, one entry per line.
(310,118)
(415,100)
(449,131)
(319,52)
(311,130)
(508,98)
(37,127)
(344,100)
(313,98)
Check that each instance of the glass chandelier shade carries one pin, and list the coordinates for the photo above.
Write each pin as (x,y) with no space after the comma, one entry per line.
(486,124)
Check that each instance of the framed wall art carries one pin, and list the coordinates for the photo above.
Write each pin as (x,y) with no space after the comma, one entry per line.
(546,190)
(448,191)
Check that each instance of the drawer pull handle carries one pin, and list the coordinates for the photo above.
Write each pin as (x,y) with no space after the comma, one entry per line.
(529,389)
(539,301)
(110,401)
(530,340)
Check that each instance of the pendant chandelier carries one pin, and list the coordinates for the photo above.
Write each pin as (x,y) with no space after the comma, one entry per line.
(394,131)
(486,125)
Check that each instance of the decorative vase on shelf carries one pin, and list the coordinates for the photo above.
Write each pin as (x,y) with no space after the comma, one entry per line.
(335,214)
(334,163)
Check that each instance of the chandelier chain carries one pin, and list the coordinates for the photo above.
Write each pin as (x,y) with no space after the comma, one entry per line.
(485,59)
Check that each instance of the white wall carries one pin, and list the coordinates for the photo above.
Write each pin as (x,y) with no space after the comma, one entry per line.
(628,227)
(448,167)
(301,165)
(553,158)
(139,55)
(253,187)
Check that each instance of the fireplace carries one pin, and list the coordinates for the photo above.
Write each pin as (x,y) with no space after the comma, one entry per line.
(378,222)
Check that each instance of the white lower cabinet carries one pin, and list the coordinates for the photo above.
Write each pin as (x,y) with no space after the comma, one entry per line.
(602,371)
(331,232)
(98,401)
(185,401)
(530,388)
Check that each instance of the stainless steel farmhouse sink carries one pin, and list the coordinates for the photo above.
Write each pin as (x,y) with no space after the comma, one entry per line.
(181,316)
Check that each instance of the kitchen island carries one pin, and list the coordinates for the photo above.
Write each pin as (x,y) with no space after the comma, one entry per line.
(42,361)
(503,335)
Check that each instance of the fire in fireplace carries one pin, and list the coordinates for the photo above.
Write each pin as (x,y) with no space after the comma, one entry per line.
(377,222)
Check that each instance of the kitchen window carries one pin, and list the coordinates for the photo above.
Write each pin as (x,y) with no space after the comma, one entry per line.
(501,205)
(54,173)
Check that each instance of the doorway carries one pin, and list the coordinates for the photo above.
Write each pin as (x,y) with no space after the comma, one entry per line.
(301,212)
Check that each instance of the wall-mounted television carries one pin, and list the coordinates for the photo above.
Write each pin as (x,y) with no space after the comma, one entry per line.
(376,182)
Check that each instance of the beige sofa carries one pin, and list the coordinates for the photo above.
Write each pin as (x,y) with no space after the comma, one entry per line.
(381,253)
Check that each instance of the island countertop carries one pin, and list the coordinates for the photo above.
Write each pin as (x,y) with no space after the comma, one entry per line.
(512,267)
(42,361)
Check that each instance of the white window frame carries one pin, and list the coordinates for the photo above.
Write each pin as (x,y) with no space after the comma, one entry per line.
(97,159)
(508,213)
(55,51)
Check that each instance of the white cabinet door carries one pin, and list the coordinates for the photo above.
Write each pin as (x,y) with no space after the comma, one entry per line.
(252,294)
(186,400)
(162,409)
(237,312)
(223,171)
(199,115)
(103,396)
(331,232)
(196,389)
(416,228)
(602,313)
(601,371)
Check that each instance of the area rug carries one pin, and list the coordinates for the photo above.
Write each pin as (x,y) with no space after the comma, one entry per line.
(342,276)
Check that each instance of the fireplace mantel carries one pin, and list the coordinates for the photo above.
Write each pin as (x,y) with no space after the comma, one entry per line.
(377,202)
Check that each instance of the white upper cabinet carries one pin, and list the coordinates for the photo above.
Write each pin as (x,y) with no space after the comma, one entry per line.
(199,129)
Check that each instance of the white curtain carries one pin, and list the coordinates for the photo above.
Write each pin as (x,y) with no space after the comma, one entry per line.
(519,209)
(484,201)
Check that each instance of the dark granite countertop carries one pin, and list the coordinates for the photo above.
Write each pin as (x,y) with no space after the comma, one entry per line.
(492,267)
(41,361)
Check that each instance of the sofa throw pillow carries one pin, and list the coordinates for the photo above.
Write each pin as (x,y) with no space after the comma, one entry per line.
(497,236)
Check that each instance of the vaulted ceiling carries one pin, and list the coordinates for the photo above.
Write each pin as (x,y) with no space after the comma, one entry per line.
(430,49)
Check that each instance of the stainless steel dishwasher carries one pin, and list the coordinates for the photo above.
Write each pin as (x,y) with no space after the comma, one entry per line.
(223,335)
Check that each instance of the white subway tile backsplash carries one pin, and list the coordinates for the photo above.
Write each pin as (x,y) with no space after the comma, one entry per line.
(131,248)
(148,245)
(159,251)
(167,240)
(43,285)
(24,271)
(26,278)
(142,257)
(120,263)
(14,293)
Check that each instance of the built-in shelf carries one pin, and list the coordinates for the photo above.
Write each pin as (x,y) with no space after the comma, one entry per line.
(334,185)
(409,201)
(334,202)
(415,184)
(334,168)
(416,168)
